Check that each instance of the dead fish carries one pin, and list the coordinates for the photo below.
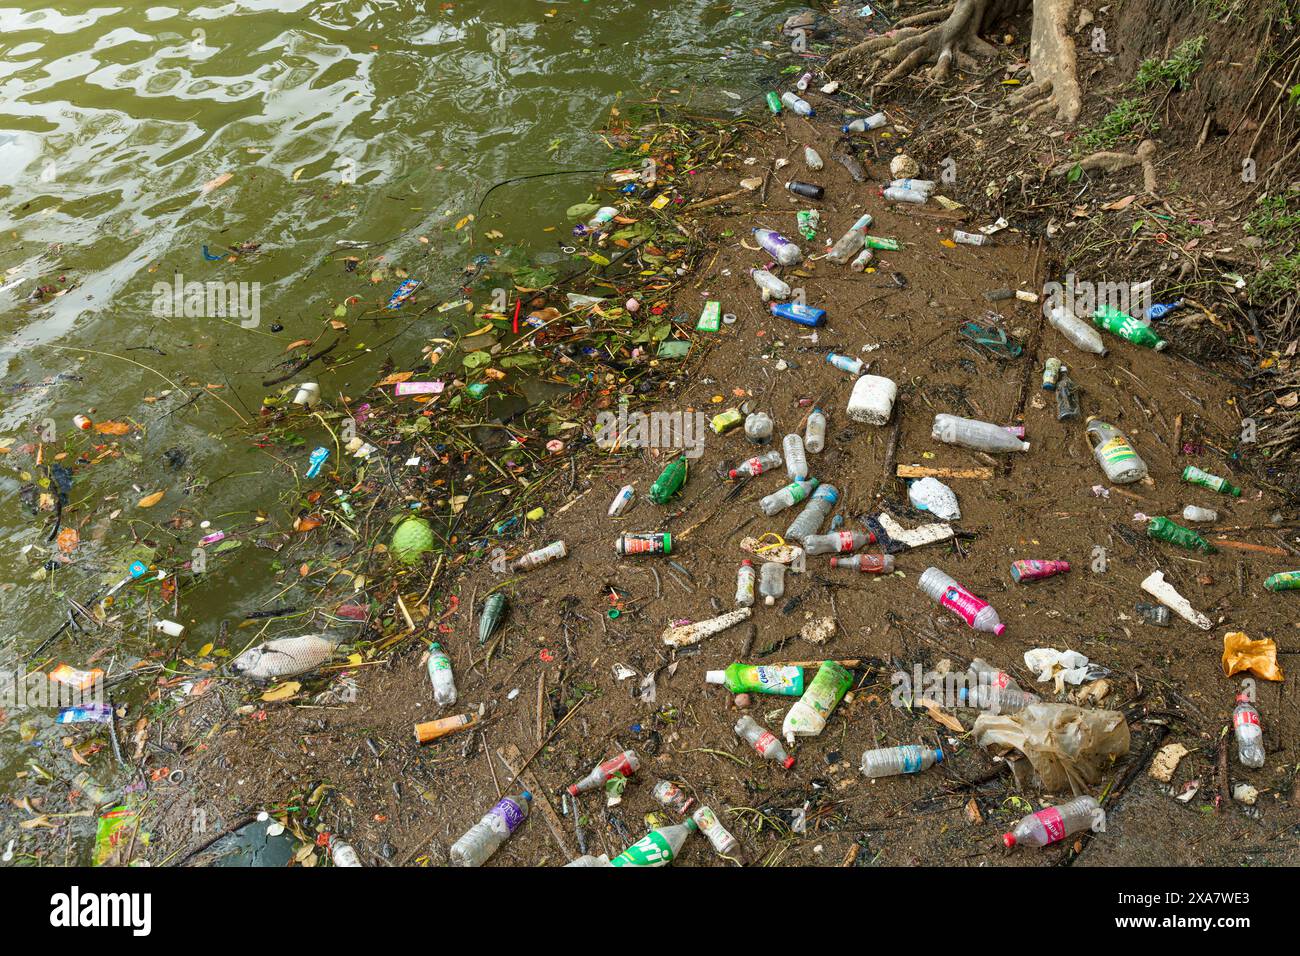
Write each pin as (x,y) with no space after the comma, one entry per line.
(284,657)
(494,610)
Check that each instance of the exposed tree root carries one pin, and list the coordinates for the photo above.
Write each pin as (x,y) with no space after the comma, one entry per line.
(1107,162)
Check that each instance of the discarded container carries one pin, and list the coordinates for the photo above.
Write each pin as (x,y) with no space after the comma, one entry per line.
(995,700)
(814,434)
(724,422)
(791,494)
(746,579)
(684,635)
(977,614)
(865,123)
(893,761)
(723,842)
(837,542)
(926,186)
(441,676)
(1195,476)
(1162,529)
(535,559)
(772,286)
(802,314)
(970,238)
(814,514)
(82,422)
(431,730)
(494,610)
(866,563)
(778,246)
(710,318)
(872,399)
(1152,614)
(1194,513)
(932,495)
(896,194)
(1128,328)
(771,581)
(785,681)
(758,429)
(812,159)
(1051,374)
(1117,457)
(982,673)
(1249,733)
(1164,592)
(316,461)
(485,837)
(1067,399)
(626,763)
(845,363)
(850,243)
(796,462)
(862,260)
(972,433)
(621,501)
(651,542)
(1032,570)
(308,395)
(806,190)
(765,742)
(668,794)
(808,716)
(757,465)
(881,242)
(797,104)
(170,628)
(343,854)
(773,101)
(658,847)
(670,481)
(1054,824)
(1283,581)
(1080,334)
(588,860)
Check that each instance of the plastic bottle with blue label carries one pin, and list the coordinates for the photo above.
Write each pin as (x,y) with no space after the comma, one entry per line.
(808,315)
(893,761)
(814,514)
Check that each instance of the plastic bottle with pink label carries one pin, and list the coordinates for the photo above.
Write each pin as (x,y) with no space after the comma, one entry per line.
(977,613)
(1054,824)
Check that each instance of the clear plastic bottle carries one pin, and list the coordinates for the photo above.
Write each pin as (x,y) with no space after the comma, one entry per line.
(797,104)
(746,578)
(850,243)
(893,761)
(1197,513)
(1054,823)
(812,159)
(814,432)
(589,860)
(778,247)
(1249,734)
(758,427)
(948,593)
(837,542)
(897,194)
(791,494)
(343,854)
(1081,334)
(866,563)
(796,462)
(814,514)
(926,186)
(765,742)
(864,123)
(483,838)
(771,581)
(996,700)
(441,676)
(1114,453)
(772,286)
(757,465)
(671,796)
(845,363)
(972,433)
(982,673)
(626,763)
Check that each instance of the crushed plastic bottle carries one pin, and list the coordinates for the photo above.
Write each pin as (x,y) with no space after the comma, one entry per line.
(866,563)
(440,675)
(763,741)
(670,795)
(1162,529)
(837,542)
(758,427)
(778,246)
(1195,513)
(850,243)
(626,763)
(808,716)
(796,462)
(920,185)
(996,700)
(863,259)
(972,433)
(1053,824)
(1034,570)
(814,514)
(893,761)
(932,495)
(758,465)
(814,433)
(485,837)
(771,581)
(982,673)
(1117,457)
(772,287)
(791,494)
(746,578)
(1156,614)
(977,614)
(1249,734)
(896,194)
(670,481)
(812,159)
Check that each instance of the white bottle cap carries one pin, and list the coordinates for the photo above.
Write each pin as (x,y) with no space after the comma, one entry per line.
(715,677)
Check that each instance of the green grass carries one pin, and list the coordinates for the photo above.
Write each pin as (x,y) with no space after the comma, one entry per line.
(1130,117)
(1276,221)
(1223,11)
(1174,72)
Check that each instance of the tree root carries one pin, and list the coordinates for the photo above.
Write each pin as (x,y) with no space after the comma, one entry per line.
(1108,162)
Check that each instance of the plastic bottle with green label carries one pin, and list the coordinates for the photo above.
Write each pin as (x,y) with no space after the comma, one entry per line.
(758,679)
(808,716)
(1128,328)
(1162,529)
(1283,581)
(1117,458)
(658,847)
(773,101)
(1195,476)
(670,481)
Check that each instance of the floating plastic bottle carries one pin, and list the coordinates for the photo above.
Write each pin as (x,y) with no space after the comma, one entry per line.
(814,514)
(850,243)
(1117,457)
(778,246)
(865,123)
(621,501)
(845,363)
(972,433)
(872,399)
(791,494)
(1054,824)
(866,563)
(659,847)
(893,761)
(723,842)
(483,838)
(895,194)
(1249,733)
(796,462)
(772,287)
(626,763)
(1283,581)
(814,432)
(670,481)
(1195,476)
(808,716)
(1031,570)
(757,465)
(837,542)
(765,742)
(1195,513)
(808,315)
(1163,529)
(797,104)
(785,681)
(746,578)
(441,676)
(535,559)
(1079,333)
(603,217)
(812,159)
(758,427)
(771,581)
(977,613)
(1128,328)
(806,190)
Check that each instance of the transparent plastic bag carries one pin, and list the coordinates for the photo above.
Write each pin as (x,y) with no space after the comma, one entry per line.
(1067,746)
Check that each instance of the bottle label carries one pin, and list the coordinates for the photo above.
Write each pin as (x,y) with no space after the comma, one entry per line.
(776,680)
(765,742)
(963,603)
(440,662)
(1243,717)
(1053,823)
(844,541)
(911,759)
(798,492)
(1117,450)
(510,814)
(651,850)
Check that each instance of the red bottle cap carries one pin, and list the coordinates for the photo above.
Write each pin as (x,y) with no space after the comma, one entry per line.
(1009,839)
(788,763)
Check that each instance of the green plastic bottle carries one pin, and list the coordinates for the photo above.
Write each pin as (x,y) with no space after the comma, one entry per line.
(757,679)
(1128,328)
(1283,581)
(670,481)
(658,847)
(1195,476)
(808,715)
(773,102)
(1162,529)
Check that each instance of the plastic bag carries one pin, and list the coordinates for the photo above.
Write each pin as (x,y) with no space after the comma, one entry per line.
(1066,745)
(932,495)
(1063,667)
(1240,653)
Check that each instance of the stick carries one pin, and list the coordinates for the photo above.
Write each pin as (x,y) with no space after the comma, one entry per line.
(925,471)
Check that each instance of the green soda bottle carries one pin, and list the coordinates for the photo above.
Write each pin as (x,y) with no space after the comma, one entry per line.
(773,102)
(756,679)
(1283,581)
(658,847)
(1162,529)
(1126,327)
(1195,476)
(670,481)
(879,242)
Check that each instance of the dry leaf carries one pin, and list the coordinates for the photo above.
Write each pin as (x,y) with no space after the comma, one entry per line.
(394,379)
(973,812)
(212,184)
(1119,204)
(283,691)
(941,716)
(297,345)
(112,428)
(148,501)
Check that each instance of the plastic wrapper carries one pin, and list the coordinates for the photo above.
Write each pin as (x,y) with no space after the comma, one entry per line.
(1240,653)
(1067,746)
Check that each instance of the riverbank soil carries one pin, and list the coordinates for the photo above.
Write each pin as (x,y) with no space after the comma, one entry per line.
(578,670)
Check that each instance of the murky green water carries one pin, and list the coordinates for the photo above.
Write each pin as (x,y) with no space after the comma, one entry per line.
(358,121)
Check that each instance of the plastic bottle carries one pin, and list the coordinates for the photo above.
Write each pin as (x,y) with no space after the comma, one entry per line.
(1128,328)
(845,363)
(1249,734)
(863,259)
(343,854)
(797,104)
(1195,513)
(808,715)
(746,578)
(1156,614)
(772,286)
(719,836)
(895,194)
(621,501)
(670,481)
(1162,529)
(534,559)
(1117,457)
(812,159)
(806,190)
(802,83)
(670,795)
(850,243)
(1054,823)
(1032,570)
(588,860)
(808,315)
(996,700)
(658,847)
(864,123)
(651,542)
(791,494)
(893,761)
(872,399)
(626,763)
(814,432)
(778,246)
(773,101)
(768,747)
(759,679)
(945,591)
(771,581)
(837,542)
(814,514)
(483,838)
(982,673)
(796,463)
(972,433)
(1052,373)
(1195,476)
(441,676)
(1067,399)
(971,238)
(757,465)
(866,563)
(758,427)
(1079,333)
(1283,581)
(920,185)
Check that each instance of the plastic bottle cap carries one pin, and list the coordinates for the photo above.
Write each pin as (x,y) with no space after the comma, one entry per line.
(746,563)
(435,646)
(715,677)
(527,796)
(999,629)
(1009,839)
(788,763)
(938,755)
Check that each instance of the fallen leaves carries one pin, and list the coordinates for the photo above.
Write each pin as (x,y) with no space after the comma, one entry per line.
(148,501)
